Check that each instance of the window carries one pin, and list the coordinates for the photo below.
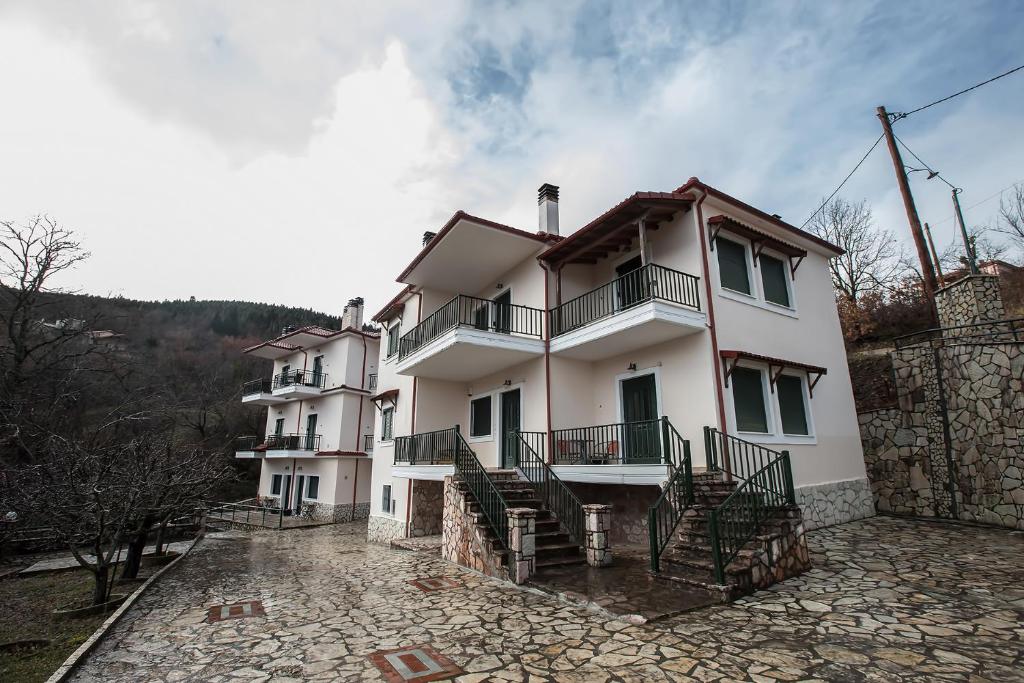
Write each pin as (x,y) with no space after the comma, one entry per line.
(385,501)
(775,280)
(387,424)
(732,265)
(279,426)
(394,334)
(480,416)
(313,487)
(792,408)
(275,485)
(748,399)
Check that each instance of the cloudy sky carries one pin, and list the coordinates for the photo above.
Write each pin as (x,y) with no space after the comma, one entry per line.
(294,153)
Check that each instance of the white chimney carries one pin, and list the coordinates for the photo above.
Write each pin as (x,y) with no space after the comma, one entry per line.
(547,199)
(352,316)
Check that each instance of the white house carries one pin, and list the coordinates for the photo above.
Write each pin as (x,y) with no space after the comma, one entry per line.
(314,458)
(687,310)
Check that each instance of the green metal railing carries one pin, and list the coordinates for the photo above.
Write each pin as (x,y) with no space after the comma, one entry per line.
(471,311)
(622,443)
(492,503)
(428,448)
(559,498)
(765,485)
(646,283)
(664,515)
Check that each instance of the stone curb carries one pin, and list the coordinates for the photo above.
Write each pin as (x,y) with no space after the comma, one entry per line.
(64,670)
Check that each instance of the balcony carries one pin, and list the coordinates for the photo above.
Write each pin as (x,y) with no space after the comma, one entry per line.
(468,338)
(248,447)
(259,392)
(428,456)
(647,306)
(285,445)
(298,384)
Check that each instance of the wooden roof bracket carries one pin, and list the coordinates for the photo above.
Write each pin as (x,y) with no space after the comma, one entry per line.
(729,369)
(773,376)
(758,246)
(714,236)
(812,384)
(793,266)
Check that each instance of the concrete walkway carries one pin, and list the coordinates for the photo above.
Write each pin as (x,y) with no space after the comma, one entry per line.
(888,600)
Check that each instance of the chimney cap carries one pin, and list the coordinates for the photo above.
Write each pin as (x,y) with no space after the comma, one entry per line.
(427,236)
(547,191)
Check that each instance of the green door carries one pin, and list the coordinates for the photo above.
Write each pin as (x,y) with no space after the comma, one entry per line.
(311,443)
(640,413)
(632,286)
(510,424)
(503,312)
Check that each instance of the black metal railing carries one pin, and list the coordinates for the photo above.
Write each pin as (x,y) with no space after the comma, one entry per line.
(471,311)
(371,381)
(623,443)
(248,443)
(428,448)
(368,443)
(990,332)
(492,504)
(293,442)
(257,386)
(528,448)
(646,283)
(677,496)
(765,485)
(242,513)
(302,378)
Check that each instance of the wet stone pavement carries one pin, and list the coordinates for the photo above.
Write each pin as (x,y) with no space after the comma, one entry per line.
(888,600)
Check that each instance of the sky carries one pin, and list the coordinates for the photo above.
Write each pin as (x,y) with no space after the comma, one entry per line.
(294,153)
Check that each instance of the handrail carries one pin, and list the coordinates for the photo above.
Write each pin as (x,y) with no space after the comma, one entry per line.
(664,514)
(1010,330)
(427,448)
(293,442)
(644,284)
(620,443)
(559,498)
(471,311)
(492,503)
(248,443)
(236,509)
(305,378)
(766,484)
(257,386)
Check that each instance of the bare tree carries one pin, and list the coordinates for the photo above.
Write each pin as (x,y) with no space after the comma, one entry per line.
(874,257)
(1011,216)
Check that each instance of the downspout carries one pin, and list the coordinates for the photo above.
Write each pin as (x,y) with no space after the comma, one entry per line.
(355,487)
(716,361)
(415,379)
(408,507)
(362,385)
(547,359)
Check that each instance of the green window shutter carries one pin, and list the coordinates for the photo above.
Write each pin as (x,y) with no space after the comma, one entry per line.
(393,338)
(732,265)
(480,417)
(385,502)
(748,400)
(773,277)
(791,405)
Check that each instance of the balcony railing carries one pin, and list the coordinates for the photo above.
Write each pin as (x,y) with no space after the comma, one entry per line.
(293,442)
(248,443)
(301,378)
(623,443)
(429,448)
(647,283)
(368,443)
(480,314)
(371,381)
(257,386)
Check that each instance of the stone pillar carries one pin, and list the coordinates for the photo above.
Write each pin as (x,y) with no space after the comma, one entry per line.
(522,543)
(973,300)
(598,523)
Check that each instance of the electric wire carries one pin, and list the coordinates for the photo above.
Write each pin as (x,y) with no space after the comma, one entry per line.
(847,178)
(896,116)
(923,163)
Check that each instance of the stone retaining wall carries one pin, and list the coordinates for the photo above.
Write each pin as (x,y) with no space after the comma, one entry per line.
(380,529)
(835,502)
(427,506)
(463,538)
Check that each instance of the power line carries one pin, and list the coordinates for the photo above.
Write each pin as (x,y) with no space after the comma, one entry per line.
(986,199)
(848,176)
(896,116)
(926,166)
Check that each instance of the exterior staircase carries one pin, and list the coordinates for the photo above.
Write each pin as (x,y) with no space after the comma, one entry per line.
(554,547)
(690,557)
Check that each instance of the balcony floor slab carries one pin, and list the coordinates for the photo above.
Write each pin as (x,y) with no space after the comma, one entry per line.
(463,354)
(637,327)
(423,472)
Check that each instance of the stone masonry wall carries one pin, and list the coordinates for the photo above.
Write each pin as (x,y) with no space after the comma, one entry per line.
(427,506)
(463,540)
(896,456)
(836,502)
(974,299)
(381,529)
(629,508)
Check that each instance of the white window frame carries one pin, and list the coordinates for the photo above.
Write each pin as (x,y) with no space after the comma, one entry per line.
(788,276)
(390,498)
(756,296)
(279,478)
(773,412)
(383,438)
(494,427)
(309,479)
(387,342)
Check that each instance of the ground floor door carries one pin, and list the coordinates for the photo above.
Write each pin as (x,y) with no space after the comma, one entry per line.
(300,484)
(641,431)
(511,422)
(286,493)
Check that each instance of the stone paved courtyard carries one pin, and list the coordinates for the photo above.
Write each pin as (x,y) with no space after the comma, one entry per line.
(888,600)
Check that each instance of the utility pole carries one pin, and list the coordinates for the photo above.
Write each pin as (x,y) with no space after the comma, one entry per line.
(935,255)
(927,271)
(972,259)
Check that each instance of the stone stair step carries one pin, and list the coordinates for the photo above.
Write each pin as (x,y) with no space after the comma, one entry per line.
(556,547)
(540,564)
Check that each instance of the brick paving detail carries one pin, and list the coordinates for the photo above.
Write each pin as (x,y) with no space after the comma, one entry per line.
(887,600)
